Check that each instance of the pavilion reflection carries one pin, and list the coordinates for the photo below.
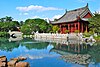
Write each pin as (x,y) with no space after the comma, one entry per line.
(73,46)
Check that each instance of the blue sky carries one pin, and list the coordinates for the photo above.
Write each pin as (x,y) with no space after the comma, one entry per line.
(24,9)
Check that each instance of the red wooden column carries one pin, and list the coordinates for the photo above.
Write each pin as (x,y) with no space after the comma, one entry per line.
(82,28)
(79,26)
(75,26)
(69,27)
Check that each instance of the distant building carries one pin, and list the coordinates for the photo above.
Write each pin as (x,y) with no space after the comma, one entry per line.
(74,20)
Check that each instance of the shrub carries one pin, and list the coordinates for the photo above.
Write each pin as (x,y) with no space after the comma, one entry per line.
(76,31)
(88,34)
(66,31)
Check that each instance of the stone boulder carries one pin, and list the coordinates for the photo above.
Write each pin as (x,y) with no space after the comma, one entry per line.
(77,58)
(3,61)
(22,64)
(12,63)
(19,58)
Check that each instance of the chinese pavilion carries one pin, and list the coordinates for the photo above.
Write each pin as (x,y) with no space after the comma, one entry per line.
(73,20)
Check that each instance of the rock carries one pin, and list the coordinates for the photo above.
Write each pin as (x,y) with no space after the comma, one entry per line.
(77,58)
(22,58)
(3,59)
(19,58)
(16,59)
(22,64)
(3,64)
(12,63)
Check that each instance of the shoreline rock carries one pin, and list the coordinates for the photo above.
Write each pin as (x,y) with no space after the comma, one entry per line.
(14,62)
(77,58)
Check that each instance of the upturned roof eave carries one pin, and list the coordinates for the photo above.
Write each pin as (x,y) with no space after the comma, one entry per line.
(65,22)
(82,14)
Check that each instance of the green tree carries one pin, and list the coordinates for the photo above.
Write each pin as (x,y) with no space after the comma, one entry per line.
(2,19)
(8,19)
(7,24)
(95,23)
(39,25)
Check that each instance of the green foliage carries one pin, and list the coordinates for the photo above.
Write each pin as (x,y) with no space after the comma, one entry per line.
(6,19)
(39,25)
(76,31)
(55,28)
(88,34)
(67,31)
(26,29)
(95,23)
(7,24)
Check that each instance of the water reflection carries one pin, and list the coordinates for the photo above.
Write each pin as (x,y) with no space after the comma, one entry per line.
(73,46)
(47,52)
(65,47)
(6,45)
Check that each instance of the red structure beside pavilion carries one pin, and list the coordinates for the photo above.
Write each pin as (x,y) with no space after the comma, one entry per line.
(74,20)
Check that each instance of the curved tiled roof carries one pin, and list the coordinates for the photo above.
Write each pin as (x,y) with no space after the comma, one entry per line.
(72,15)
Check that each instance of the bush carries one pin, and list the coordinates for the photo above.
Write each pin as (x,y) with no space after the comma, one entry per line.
(66,31)
(88,34)
(76,31)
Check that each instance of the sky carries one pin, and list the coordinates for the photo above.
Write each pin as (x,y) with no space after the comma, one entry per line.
(21,10)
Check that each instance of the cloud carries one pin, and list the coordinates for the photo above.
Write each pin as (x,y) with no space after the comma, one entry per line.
(38,56)
(56,17)
(37,8)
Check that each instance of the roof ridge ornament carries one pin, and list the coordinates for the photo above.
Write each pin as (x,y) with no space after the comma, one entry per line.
(87,5)
(66,10)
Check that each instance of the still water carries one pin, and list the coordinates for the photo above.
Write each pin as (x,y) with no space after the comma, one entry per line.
(48,54)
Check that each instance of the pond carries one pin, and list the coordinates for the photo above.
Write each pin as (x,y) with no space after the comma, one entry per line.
(48,54)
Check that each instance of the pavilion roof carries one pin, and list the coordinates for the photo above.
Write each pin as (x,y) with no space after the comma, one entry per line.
(72,15)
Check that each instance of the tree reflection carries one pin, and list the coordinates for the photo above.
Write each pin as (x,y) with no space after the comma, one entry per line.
(5,45)
(95,53)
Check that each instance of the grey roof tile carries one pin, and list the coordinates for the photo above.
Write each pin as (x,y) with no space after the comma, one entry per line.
(72,15)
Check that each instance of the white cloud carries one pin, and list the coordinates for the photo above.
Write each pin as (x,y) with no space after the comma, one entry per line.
(56,17)
(37,8)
